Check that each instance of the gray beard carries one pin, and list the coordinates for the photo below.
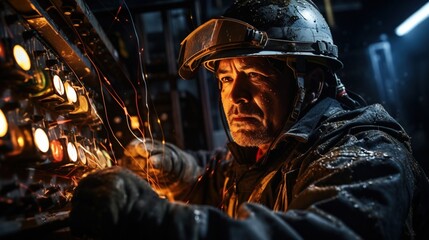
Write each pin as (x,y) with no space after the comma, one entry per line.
(247,138)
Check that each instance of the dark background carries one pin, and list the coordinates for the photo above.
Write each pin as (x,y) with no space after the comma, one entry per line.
(379,65)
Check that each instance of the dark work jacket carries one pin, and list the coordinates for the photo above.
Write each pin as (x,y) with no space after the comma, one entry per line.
(336,174)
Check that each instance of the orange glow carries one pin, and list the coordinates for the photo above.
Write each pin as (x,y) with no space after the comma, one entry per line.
(2,51)
(20,141)
(72,151)
(3,124)
(135,124)
(57,150)
(41,140)
(64,121)
(21,57)
(19,137)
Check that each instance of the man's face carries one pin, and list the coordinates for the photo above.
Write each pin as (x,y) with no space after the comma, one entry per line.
(256,99)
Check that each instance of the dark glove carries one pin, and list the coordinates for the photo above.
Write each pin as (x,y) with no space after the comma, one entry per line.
(115,203)
(161,164)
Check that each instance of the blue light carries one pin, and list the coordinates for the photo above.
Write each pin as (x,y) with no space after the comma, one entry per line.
(413,20)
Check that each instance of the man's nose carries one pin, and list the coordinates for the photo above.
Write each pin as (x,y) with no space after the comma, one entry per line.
(240,91)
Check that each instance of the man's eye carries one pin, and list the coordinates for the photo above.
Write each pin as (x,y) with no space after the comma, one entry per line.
(254,74)
(225,79)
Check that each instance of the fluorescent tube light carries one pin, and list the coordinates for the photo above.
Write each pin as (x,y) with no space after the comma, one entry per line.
(413,20)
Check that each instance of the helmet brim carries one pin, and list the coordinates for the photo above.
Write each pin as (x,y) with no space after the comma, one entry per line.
(209,62)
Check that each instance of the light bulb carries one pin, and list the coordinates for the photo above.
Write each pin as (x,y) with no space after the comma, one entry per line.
(58,85)
(72,151)
(41,140)
(57,150)
(21,57)
(3,124)
(70,92)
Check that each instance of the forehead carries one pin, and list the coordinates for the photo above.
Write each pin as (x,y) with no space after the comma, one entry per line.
(244,63)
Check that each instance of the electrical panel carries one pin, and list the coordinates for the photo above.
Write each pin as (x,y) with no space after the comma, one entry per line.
(54,59)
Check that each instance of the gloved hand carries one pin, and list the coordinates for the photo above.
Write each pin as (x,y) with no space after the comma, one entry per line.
(163,165)
(114,203)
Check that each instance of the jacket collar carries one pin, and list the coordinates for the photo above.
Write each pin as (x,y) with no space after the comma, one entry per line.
(303,128)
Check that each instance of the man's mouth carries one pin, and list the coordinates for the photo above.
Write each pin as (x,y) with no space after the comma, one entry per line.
(241,119)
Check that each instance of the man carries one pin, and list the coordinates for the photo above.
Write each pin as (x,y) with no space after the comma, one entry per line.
(304,161)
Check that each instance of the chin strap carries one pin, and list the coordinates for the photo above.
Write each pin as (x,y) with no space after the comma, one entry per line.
(299,73)
(223,119)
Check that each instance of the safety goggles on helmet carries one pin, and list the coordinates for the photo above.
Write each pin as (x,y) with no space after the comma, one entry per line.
(223,34)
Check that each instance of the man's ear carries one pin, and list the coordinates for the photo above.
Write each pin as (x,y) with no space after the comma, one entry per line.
(314,82)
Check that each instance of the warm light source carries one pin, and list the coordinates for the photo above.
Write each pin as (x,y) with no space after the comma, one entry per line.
(2,51)
(70,92)
(72,151)
(14,141)
(413,20)
(58,85)
(135,123)
(3,124)
(21,57)
(57,150)
(41,140)
(71,103)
